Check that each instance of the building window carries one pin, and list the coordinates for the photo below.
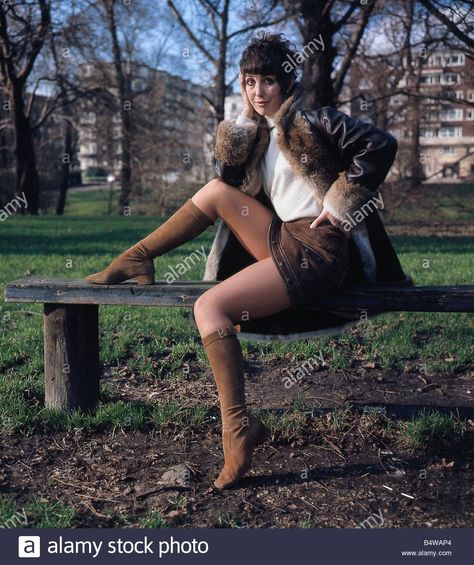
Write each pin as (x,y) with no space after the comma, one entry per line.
(430,79)
(451,114)
(427,132)
(457,59)
(469,114)
(450,171)
(459,95)
(448,150)
(450,131)
(450,78)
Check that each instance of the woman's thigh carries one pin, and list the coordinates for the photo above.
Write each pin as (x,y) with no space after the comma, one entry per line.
(254,292)
(248,218)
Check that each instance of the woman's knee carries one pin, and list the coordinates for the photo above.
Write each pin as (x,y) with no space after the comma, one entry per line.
(217,185)
(202,308)
(208,316)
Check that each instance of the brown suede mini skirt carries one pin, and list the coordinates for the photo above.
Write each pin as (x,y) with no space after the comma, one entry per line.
(312,262)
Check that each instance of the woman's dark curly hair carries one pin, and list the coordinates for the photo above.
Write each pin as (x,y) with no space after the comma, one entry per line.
(266,55)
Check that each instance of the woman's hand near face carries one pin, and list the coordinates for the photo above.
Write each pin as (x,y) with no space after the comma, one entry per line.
(248,108)
(325,215)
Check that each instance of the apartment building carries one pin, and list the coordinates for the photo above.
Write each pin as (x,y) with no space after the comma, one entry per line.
(443,118)
(447,132)
(172,126)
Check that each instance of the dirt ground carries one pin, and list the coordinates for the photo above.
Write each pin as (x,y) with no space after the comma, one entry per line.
(317,477)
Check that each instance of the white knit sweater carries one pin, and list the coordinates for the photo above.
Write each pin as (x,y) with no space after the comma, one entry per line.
(290,196)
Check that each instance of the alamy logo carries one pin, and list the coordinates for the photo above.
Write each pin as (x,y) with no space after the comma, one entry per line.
(29,546)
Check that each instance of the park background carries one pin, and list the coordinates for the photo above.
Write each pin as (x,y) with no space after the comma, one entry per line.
(108,113)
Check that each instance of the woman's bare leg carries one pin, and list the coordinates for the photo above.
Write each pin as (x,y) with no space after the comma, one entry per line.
(254,292)
(248,218)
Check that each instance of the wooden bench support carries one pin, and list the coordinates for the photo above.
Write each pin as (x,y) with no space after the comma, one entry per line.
(71,356)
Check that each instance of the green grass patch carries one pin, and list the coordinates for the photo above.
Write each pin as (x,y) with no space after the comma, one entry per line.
(290,423)
(230,520)
(430,431)
(37,513)
(153,519)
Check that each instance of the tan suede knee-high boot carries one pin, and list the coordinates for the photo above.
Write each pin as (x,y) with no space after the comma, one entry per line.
(241,431)
(185,224)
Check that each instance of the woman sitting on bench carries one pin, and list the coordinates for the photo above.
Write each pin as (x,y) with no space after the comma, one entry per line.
(318,168)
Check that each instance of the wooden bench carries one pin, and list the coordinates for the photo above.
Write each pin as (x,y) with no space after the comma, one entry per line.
(71,320)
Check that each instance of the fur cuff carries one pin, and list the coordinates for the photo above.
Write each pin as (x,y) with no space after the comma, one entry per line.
(234,143)
(347,200)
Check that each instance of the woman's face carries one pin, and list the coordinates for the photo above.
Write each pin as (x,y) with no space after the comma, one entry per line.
(264,93)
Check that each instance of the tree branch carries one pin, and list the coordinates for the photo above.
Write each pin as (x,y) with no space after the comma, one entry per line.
(453,28)
(188,31)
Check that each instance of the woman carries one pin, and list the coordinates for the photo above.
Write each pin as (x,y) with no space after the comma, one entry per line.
(317,168)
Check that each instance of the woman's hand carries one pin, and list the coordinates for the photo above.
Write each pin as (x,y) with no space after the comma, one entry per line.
(248,108)
(334,221)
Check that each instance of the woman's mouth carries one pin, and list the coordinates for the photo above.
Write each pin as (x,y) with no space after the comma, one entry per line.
(260,103)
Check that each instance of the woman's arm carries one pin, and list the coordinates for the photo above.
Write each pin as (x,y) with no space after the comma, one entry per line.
(366,154)
(234,142)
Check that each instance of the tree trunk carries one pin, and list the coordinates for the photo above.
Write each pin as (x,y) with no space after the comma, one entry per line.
(126,168)
(125,96)
(414,78)
(221,65)
(27,180)
(318,67)
(66,166)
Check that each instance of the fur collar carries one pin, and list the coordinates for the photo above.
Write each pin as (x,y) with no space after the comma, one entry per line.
(293,103)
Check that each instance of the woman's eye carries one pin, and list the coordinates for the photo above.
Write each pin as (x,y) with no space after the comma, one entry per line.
(269,81)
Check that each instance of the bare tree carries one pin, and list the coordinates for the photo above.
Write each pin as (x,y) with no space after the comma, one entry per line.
(23,31)
(331,33)
(215,45)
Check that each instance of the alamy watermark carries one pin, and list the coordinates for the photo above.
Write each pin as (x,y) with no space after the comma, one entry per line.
(301,371)
(374,520)
(11,207)
(183,266)
(362,212)
(18,520)
(317,43)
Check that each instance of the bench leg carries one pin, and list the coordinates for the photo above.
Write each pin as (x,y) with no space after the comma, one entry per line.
(71,356)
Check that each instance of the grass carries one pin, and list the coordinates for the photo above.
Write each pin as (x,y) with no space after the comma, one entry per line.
(153,519)
(164,343)
(339,418)
(429,431)
(290,423)
(231,520)
(16,414)
(306,522)
(441,202)
(37,513)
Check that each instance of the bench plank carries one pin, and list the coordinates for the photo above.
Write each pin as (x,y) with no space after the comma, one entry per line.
(374,298)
